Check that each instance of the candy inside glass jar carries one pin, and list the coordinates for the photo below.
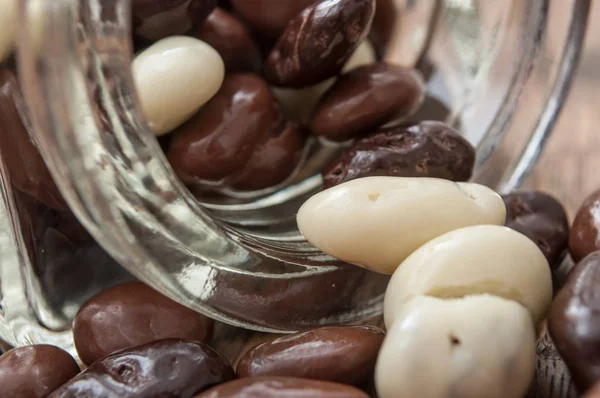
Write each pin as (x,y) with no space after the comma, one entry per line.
(218,234)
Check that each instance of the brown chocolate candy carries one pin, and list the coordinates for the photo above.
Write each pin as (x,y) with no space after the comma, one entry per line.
(133,314)
(282,387)
(318,42)
(232,40)
(542,219)
(585,232)
(344,354)
(239,138)
(35,371)
(574,322)
(26,168)
(383,25)
(427,149)
(156,19)
(220,139)
(270,17)
(366,98)
(273,160)
(164,368)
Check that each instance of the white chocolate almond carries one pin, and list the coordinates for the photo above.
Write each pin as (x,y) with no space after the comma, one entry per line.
(174,77)
(478,346)
(485,259)
(376,222)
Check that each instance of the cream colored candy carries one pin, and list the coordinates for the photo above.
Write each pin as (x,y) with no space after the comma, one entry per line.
(174,77)
(474,260)
(475,347)
(376,222)
(8,20)
(298,104)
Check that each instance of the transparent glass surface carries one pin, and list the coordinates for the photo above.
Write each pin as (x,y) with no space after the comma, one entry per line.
(499,71)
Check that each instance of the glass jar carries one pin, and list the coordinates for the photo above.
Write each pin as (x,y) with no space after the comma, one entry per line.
(498,71)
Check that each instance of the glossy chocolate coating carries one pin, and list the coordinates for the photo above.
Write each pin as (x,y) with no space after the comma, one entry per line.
(542,219)
(383,26)
(585,232)
(344,354)
(282,387)
(274,160)
(156,19)
(270,17)
(133,314)
(574,322)
(427,149)
(161,369)
(232,40)
(26,168)
(220,139)
(318,42)
(35,371)
(366,98)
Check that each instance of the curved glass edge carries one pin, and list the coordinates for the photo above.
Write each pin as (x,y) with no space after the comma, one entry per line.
(81,100)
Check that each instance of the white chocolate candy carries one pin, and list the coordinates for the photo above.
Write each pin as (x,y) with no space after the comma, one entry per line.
(475,347)
(298,104)
(376,222)
(485,259)
(174,77)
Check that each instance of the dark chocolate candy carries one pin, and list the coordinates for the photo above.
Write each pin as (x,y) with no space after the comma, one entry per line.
(574,322)
(344,354)
(366,98)
(169,368)
(318,42)
(133,314)
(427,149)
(542,219)
(585,232)
(35,371)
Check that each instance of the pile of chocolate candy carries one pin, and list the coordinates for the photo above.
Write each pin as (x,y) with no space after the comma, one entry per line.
(234,91)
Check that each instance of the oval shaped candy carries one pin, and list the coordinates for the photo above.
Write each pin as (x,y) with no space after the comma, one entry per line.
(345,354)
(366,98)
(35,371)
(585,232)
(174,77)
(164,368)
(473,347)
(574,322)
(220,139)
(542,219)
(282,387)
(376,222)
(481,259)
(133,314)
(317,43)
(427,149)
